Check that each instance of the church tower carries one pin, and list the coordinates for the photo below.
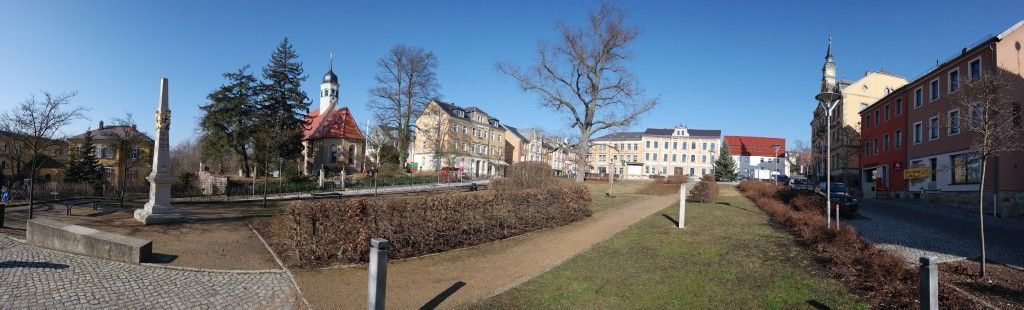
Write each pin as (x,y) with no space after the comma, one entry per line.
(329,90)
(828,71)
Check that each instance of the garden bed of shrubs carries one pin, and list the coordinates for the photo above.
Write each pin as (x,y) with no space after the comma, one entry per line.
(323,233)
(880,277)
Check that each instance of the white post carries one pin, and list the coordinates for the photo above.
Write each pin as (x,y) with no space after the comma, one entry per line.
(928,289)
(378,274)
(828,167)
(682,206)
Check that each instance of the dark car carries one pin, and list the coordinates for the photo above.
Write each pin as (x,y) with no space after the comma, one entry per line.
(782,179)
(839,188)
(841,196)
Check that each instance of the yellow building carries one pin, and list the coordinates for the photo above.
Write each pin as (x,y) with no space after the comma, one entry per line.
(845,123)
(16,159)
(120,147)
(656,152)
(467,139)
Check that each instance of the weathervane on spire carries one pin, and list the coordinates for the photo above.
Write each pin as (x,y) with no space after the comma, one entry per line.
(332,60)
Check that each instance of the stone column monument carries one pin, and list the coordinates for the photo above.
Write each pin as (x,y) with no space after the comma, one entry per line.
(158,209)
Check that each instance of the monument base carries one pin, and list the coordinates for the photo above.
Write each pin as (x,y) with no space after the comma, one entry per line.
(148,217)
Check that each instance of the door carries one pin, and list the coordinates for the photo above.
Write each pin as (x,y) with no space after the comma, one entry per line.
(868,186)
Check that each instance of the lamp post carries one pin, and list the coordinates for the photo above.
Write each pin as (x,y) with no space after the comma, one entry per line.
(775,160)
(828,100)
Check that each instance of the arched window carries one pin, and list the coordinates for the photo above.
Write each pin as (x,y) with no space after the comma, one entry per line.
(334,153)
(351,154)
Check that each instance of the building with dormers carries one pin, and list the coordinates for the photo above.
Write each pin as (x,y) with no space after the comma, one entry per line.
(656,152)
(466,139)
(331,139)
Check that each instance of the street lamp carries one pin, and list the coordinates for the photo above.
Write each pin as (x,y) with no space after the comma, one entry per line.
(776,159)
(828,100)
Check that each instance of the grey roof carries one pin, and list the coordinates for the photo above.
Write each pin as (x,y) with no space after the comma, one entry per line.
(330,77)
(515,131)
(621,136)
(692,132)
(111,132)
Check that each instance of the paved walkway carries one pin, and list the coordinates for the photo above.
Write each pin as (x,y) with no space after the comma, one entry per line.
(458,277)
(913,229)
(37,278)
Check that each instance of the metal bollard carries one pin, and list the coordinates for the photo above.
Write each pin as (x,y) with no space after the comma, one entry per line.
(682,206)
(929,288)
(378,275)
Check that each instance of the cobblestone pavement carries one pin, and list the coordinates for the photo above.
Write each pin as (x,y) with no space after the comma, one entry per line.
(914,228)
(37,278)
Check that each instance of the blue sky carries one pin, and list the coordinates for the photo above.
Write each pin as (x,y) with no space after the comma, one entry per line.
(747,68)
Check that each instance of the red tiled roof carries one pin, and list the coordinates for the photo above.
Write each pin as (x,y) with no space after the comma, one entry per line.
(338,123)
(755,146)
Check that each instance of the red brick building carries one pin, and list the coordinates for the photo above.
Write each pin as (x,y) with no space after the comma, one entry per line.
(884,152)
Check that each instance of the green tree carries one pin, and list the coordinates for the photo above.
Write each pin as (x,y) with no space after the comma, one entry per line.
(227,123)
(83,165)
(283,103)
(725,166)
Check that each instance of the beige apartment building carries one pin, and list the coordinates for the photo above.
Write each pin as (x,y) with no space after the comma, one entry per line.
(845,123)
(466,139)
(656,152)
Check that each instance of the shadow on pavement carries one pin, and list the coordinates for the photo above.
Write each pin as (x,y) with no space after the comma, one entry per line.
(440,298)
(24,264)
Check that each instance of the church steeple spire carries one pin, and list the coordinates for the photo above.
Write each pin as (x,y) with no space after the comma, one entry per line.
(828,71)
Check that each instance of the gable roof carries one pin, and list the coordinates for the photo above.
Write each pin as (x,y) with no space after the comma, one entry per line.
(621,136)
(337,123)
(755,146)
(692,132)
(515,132)
(111,132)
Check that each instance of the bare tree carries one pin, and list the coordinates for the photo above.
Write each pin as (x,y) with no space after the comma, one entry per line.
(129,146)
(407,81)
(802,155)
(35,124)
(994,122)
(584,76)
(377,138)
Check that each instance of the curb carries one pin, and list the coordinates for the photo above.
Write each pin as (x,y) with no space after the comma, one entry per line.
(283,267)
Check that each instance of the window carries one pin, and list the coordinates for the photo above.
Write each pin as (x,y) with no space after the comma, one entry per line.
(977,114)
(675,145)
(975,68)
(899,138)
(933,128)
(886,112)
(876,146)
(899,106)
(655,144)
(918,97)
(673,157)
(664,157)
(134,153)
(693,158)
(712,146)
(703,158)
(647,156)
(666,145)
(691,171)
(885,143)
(693,145)
(954,122)
(334,153)
(876,117)
(954,80)
(933,90)
(647,143)
(704,146)
(867,148)
(966,168)
(867,121)
(917,132)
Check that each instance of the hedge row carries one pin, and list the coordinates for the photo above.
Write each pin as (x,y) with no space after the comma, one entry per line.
(330,232)
(880,277)
(706,190)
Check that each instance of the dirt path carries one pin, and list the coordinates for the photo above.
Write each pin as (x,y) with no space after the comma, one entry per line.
(458,277)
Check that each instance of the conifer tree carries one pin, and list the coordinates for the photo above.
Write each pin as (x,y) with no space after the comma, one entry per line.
(83,165)
(284,104)
(725,166)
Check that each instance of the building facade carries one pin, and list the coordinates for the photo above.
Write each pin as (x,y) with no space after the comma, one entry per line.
(845,122)
(332,140)
(466,139)
(119,147)
(656,152)
(758,158)
(936,141)
(883,157)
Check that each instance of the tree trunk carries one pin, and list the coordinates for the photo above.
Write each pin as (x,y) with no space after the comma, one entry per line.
(31,194)
(584,150)
(981,214)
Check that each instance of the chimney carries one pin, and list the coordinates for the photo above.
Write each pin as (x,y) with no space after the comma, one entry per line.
(101,125)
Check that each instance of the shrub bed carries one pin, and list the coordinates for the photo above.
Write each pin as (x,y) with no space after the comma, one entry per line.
(706,190)
(325,233)
(880,277)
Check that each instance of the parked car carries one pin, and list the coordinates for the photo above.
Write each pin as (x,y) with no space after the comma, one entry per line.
(839,188)
(801,183)
(782,179)
(848,204)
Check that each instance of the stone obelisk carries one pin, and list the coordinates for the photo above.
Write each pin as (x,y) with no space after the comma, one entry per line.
(159,209)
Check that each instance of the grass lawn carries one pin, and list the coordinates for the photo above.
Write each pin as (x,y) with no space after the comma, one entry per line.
(625,193)
(729,256)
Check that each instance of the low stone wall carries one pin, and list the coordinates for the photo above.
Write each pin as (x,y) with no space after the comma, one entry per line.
(1010,203)
(87,241)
